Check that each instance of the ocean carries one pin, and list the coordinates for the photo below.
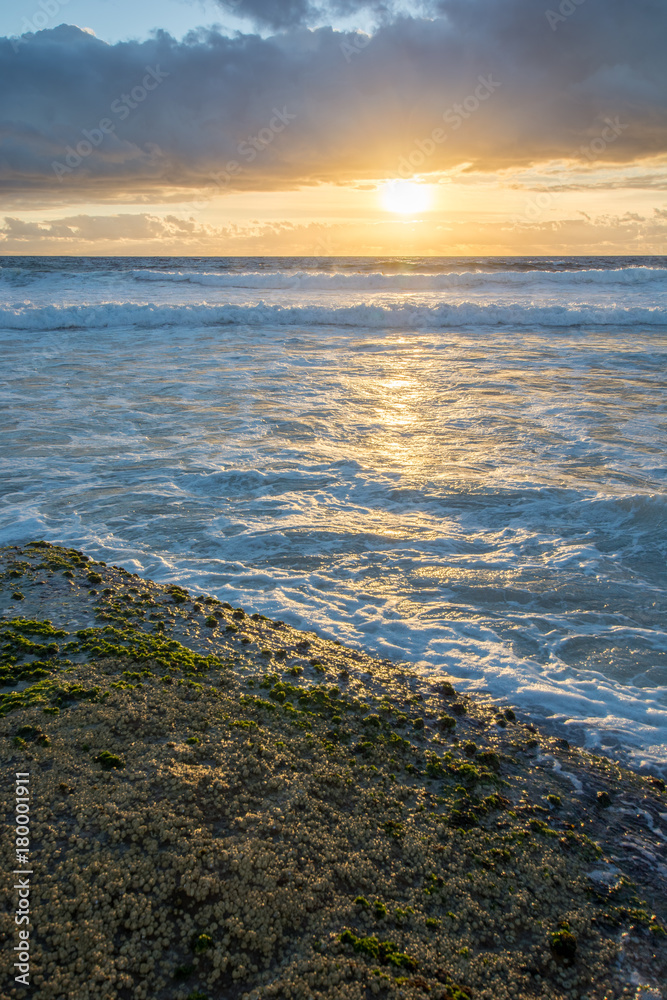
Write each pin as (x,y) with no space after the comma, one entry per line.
(454,462)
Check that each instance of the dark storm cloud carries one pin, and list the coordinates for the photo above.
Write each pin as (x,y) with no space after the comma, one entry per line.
(494,84)
(277,14)
(281,14)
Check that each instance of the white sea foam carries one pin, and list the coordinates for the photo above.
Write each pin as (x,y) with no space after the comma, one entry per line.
(409,281)
(396,316)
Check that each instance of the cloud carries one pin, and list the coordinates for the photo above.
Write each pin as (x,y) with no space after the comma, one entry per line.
(146,233)
(280,14)
(128,227)
(274,14)
(125,227)
(304,105)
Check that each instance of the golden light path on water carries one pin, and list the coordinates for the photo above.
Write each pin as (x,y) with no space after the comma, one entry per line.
(421,459)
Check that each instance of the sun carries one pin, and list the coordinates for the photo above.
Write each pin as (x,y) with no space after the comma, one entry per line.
(405,197)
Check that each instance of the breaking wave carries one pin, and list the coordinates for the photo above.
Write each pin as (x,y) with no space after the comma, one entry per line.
(403,315)
(379,281)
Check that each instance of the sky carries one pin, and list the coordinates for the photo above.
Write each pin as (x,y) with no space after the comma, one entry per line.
(291,127)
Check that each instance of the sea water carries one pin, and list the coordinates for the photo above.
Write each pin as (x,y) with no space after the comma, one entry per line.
(455,462)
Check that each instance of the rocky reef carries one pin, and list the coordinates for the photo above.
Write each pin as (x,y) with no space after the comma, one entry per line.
(224,807)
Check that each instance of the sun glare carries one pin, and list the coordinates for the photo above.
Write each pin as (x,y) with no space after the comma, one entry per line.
(405,197)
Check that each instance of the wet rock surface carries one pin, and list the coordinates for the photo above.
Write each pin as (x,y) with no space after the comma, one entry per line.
(225,807)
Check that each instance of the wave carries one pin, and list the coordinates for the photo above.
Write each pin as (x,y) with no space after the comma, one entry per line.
(380,281)
(401,316)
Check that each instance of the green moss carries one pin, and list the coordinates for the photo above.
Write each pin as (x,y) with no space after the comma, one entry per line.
(433,883)
(202,944)
(28,732)
(435,768)
(94,578)
(110,761)
(28,626)
(385,952)
(268,680)
(466,772)
(447,723)
(564,944)
(554,800)
(379,909)
(462,819)
(454,992)
(539,826)
(489,759)
(433,924)
(177,594)
(129,642)
(362,901)
(32,734)
(492,803)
